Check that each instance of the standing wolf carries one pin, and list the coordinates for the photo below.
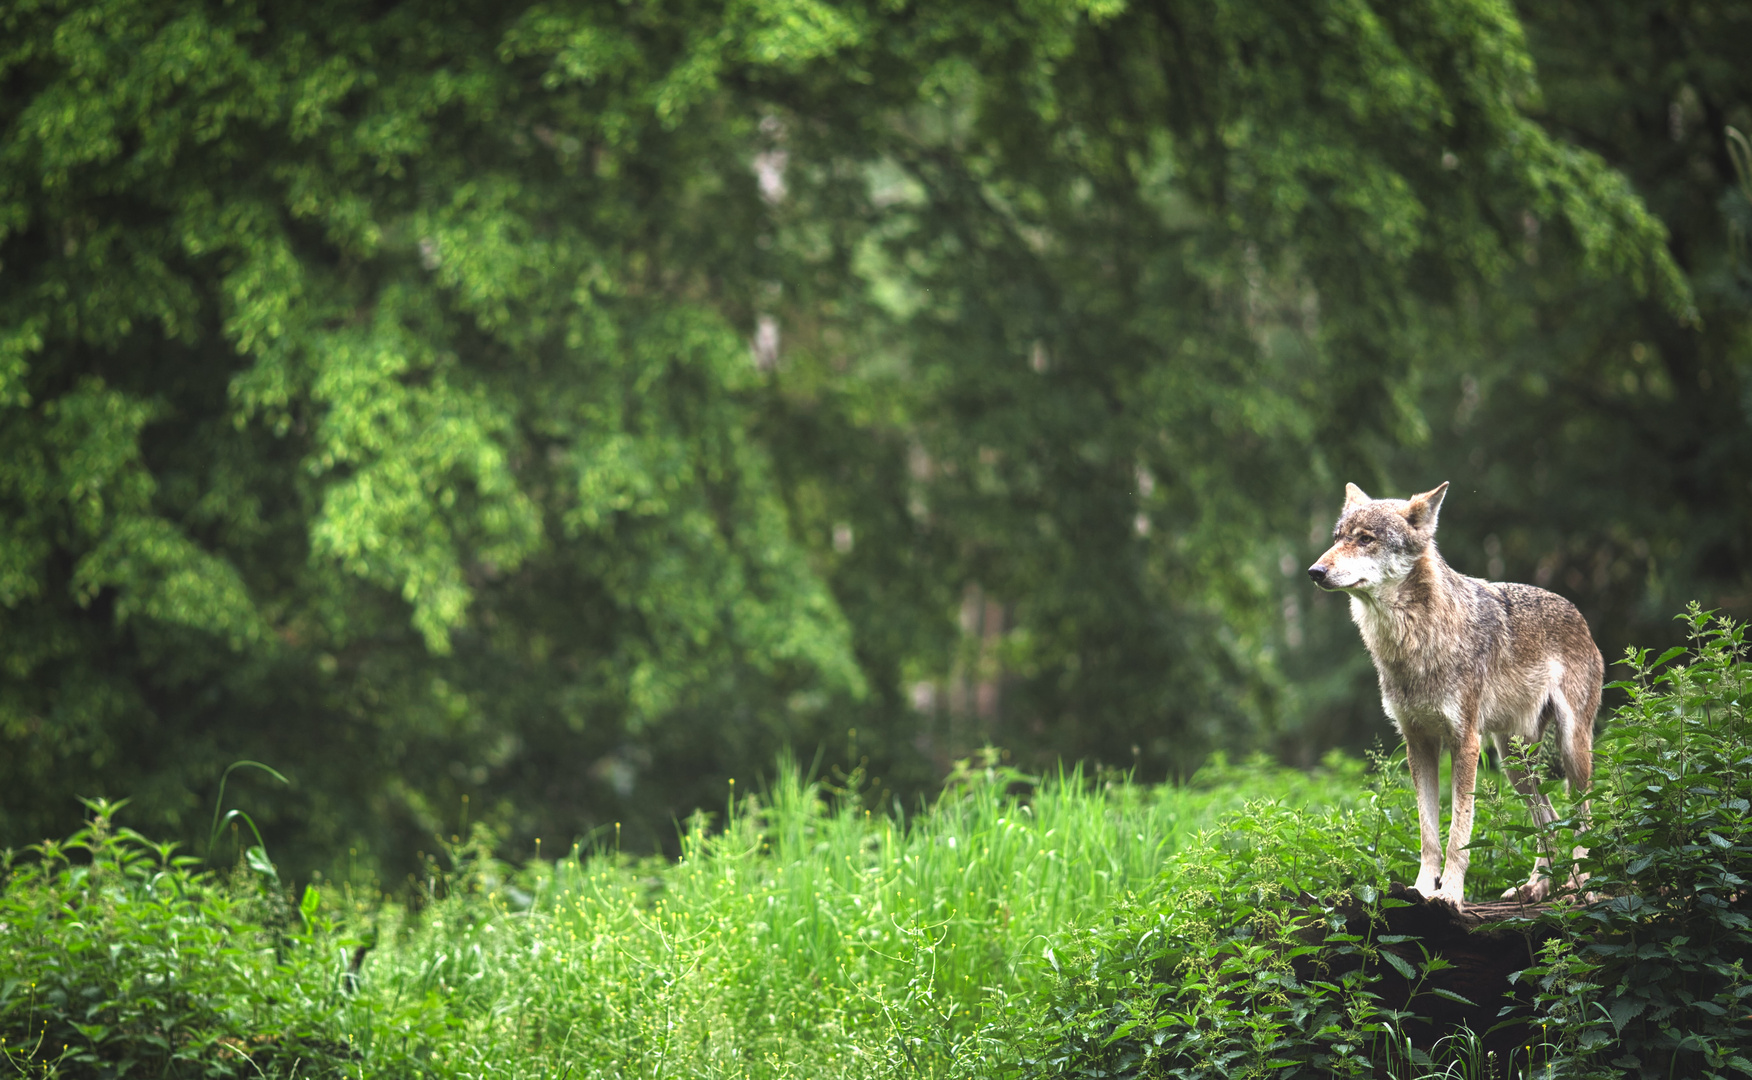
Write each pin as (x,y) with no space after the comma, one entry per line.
(1459,659)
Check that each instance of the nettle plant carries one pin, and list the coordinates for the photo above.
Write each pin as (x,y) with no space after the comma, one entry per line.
(119,957)
(1650,980)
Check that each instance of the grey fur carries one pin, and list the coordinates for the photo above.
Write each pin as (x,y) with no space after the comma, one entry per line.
(1459,659)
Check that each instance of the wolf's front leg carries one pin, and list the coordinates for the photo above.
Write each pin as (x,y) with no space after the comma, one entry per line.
(1465,770)
(1423,752)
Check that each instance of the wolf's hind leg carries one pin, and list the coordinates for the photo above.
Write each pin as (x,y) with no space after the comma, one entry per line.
(1538,886)
(1575,736)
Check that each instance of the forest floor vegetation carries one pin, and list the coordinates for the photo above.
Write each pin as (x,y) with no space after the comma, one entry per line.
(1074,925)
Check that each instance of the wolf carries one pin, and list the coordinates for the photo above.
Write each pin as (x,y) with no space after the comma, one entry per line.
(1459,659)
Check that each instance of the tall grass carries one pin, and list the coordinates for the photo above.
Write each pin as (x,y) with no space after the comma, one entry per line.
(798,936)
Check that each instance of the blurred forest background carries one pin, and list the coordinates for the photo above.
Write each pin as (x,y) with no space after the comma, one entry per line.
(543,414)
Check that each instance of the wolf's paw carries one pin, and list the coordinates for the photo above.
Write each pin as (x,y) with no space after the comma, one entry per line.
(1450,899)
(1440,894)
(1534,892)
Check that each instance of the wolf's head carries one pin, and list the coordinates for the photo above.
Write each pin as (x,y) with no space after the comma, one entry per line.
(1377,541)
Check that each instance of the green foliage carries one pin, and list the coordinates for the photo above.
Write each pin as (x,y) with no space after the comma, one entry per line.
(1652,982)
(118,958)
(372,402)
(1602,447)
(1163,276)
(1235,925)
(803,935)
(806,935)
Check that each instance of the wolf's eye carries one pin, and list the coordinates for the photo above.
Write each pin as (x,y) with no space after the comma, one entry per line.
(1365,538)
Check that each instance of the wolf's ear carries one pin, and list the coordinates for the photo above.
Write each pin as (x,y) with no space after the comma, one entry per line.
(1353,497)
(1421,510)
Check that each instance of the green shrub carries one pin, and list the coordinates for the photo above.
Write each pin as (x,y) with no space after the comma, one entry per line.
(118,958)
(1652,982)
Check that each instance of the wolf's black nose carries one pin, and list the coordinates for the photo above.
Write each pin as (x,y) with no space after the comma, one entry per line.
(1317,572)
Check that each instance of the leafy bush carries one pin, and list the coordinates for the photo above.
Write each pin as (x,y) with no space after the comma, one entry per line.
(119,958)
(1652,982)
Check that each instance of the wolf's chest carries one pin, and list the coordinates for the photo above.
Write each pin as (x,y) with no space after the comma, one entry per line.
(1422,663)
(1411,647)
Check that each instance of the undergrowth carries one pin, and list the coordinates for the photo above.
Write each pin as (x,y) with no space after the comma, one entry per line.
(798,935)
(1653,981)
(1233,926)
(120,958)
(1258,951)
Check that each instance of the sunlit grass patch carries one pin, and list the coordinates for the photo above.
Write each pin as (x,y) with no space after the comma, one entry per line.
(800,935)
